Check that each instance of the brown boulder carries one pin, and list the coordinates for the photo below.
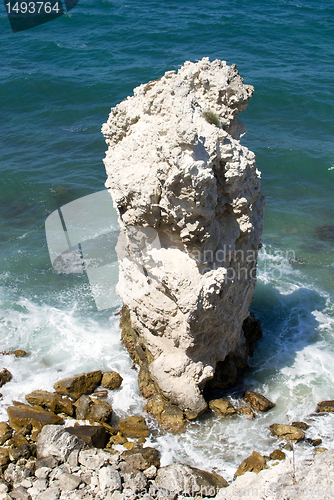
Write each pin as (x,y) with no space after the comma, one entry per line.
(172,418)
(254,463)
(76,386)
(4,457)
(118,439)
(5,432)
(5,376)
(287,432)
(19,353)
(247,411)
(301,425)
(20,415)
(156,405)
(133,427)
(52,401)
(277,455)
(258,402)
(142,458)
(92,409)
(111,380)
(93,435)
(222,407)
(327,406)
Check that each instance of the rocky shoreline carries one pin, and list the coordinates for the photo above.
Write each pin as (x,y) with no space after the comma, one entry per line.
(61,445)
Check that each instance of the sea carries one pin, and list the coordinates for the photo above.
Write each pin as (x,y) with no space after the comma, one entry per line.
(58,83)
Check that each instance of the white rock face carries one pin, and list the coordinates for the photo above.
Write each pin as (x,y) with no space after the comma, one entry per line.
(190,207)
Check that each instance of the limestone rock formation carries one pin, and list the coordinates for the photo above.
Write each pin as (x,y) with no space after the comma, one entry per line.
(190,208)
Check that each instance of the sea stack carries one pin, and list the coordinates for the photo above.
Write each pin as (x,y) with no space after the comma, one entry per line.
(190,208)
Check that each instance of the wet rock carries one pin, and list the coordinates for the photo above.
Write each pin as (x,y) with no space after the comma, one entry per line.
(325,232)
(142,458)
(325,406)
(246,411)
(56,441)
(93,435)
(4,456)
(100,394)
(20,415)
(5,432)
(52,401)
(111,380)
(156,405)
(314,442)
(301,425)
(109,480)
(277,455)
(287,432)
(133,427)
(320,450)
(118,439)
(258,402)
(90,409)
(179,478)
(254,463)
(5,376)
(222,407)
(172,418)
(76,386)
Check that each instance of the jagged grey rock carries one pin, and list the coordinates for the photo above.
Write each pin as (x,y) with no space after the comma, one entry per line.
(55,440)
(109,480)
(190,208)
(94,459)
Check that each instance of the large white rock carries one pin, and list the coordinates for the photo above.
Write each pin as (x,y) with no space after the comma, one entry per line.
(190,207)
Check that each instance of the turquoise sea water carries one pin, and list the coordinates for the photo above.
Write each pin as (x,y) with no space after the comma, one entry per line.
(58,82)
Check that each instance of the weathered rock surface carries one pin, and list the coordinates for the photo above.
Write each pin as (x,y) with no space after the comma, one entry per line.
(287,432)
(76,386)
(327,406)
(20,415)
(254,463)
(222,407)
(133,427)
(257,401)
(111,380)
(179,478)
(277,455)
(190,208)
(52,401)
(93,435)
(92,409)
(142,458)
(56,441)
(5,432)
(5,376)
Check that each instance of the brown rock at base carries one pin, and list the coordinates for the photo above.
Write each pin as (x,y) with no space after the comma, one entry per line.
(326,406)
(95,436)
(245,410)
(5,376)
(172,418)
(92,409)
(118,439)
(287,432)
(76,386)
(277,455)
(20,415)
(102,394)
(18,353)
(5,432)
(52,401)
(222,407)
(156,405)
(314,442)
(254,463)
(111,380)
(4,457)
(142,458)
(258,402)
(301,425)
(133,427)
(129,445)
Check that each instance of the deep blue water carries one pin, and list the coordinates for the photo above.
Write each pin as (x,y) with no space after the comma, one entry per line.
(58,83)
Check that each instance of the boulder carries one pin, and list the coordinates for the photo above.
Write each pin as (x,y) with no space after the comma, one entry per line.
(277,455)
(93,435)
(142,458)
(186,480)
(190,209)
(69,482)
(301,425)
(20,415)
(5,376)
(109,480)
(94,459)
(133,427)
(4,456)
(52,401)
(54,440)
(254,463)
(133,479)
(155,405)
(247,411)
(76,386)
(5,432)
(172,418)
(111,380)
(92,409)
(258,402)
(326,406)
(222,407)
(287,432)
